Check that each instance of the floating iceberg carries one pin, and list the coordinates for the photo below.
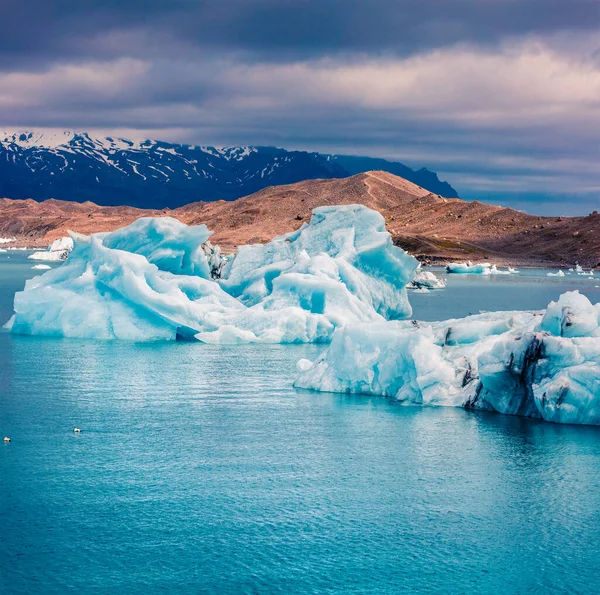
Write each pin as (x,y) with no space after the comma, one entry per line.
(494,270)
(468,268)
(57,251)
(537,364)
(558,273)
(426,280)
(41,267)
(152,280)
(484,268)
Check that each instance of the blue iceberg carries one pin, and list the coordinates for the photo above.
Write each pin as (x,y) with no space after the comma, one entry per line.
(153,280)
(537,364)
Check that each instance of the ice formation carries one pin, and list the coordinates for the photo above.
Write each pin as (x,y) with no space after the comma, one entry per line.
(57,251)
(559,273)
(152,280)
(484,268)
(426,280)
(216,261)
(41,267)
(537,364)
(7,240)
(579,270)
(467,268)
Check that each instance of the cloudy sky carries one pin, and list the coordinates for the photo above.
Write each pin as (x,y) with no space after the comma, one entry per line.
(500,97)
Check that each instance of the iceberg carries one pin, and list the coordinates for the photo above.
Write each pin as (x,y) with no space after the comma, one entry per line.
(41,267)
(57,251)
(558,273)
(157,279)
(494,270)
(484,268)
(426,280)
(468,268)
(537,364)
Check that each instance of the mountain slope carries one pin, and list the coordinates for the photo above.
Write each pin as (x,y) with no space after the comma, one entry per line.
(155,174)
(431,227)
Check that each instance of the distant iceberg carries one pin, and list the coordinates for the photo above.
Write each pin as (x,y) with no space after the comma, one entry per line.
(152,280)
(467,268)
(484,268)
(426,280)
(57,251)
(537,364)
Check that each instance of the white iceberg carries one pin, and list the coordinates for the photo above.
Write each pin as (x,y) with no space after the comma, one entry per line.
(494,270)
(152,280)
(538,364)
(41,267)
(559,273)
(426,280)
(7,240)
(57,251)
(468,268)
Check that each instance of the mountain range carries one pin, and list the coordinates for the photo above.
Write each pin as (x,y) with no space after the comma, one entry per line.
(77,166)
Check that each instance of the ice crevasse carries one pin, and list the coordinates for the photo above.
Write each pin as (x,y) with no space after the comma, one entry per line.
(537,364)
(152,280)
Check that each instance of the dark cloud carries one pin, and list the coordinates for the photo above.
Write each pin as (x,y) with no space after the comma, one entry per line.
(499,96)
(38,30)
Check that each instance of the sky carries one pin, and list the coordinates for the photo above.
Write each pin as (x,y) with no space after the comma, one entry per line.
(500,97)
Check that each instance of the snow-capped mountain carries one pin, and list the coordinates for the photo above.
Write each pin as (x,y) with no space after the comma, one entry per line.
(155,174)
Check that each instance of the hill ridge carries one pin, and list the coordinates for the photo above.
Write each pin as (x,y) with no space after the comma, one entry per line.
(431,227)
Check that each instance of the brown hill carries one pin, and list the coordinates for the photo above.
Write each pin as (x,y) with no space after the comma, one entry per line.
(427,225)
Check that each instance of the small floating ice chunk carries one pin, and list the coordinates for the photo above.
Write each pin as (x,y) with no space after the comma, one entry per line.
(41,267)
(559,273)
(57,251)
(426,280)
(468,268)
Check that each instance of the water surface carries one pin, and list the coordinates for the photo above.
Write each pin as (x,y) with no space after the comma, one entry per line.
(199,469)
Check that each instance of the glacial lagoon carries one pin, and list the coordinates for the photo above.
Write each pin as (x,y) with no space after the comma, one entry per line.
(199,468)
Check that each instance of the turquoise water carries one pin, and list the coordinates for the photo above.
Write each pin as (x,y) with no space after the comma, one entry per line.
(200,470)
